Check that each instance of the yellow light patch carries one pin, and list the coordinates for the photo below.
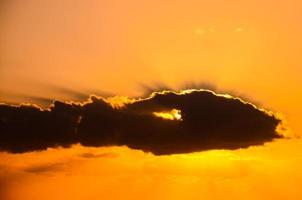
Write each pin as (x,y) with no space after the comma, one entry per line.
(173,114)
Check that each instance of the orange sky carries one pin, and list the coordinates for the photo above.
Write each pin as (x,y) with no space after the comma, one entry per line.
(267,172)
(249,47)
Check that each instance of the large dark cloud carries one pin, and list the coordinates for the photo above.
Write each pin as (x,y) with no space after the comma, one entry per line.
(209,121)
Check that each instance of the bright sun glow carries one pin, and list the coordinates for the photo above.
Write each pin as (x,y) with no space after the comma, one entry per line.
(173,114)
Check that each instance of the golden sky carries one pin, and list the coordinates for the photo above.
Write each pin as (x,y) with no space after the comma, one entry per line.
(267,172)
(250,48)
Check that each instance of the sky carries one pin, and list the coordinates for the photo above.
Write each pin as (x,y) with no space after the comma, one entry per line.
(63,49)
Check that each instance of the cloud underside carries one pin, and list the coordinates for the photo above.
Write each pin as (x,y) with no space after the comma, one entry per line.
(209,121)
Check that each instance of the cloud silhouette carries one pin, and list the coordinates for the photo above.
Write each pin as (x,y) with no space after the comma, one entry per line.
(208,121)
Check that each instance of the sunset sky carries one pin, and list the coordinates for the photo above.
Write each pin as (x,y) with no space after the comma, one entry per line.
(69,49)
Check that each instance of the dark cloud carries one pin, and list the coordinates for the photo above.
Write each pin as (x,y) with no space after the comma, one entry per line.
(209,121)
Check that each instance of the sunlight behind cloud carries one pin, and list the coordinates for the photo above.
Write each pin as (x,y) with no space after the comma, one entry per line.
(173,114)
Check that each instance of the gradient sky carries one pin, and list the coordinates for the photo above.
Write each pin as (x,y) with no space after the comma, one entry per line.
(249,47)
